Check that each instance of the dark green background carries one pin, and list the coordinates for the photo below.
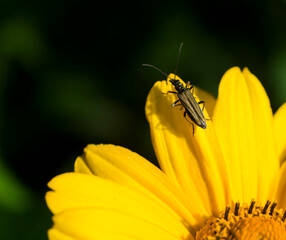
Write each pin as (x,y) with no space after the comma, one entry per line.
(71,74)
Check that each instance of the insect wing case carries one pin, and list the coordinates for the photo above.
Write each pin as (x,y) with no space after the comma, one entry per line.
(192,108)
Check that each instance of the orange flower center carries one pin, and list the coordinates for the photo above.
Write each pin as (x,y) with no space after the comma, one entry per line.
(246,223)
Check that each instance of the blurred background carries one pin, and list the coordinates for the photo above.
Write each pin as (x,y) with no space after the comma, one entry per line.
(71,74)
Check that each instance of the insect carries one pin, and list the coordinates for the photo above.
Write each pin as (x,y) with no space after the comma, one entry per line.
(186,98)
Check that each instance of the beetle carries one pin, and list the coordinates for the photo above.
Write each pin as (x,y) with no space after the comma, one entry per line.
(188,101)
(186,98)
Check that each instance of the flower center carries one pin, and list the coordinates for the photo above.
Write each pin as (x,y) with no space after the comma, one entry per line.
(249,222)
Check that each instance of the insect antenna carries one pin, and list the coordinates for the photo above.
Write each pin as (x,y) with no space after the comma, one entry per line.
(149,65)
(178,59)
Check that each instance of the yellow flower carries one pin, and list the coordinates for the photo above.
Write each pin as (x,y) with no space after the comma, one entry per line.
(223,181)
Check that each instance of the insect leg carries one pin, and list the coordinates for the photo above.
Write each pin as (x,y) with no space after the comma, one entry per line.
(191,88)
(188,84)
(202,102)
(170,92)
(185,115)
(174,104)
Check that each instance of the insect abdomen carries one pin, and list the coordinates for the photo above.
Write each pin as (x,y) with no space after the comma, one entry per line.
(192,108)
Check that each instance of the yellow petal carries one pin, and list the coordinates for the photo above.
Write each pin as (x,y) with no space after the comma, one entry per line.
(268,162)
(55,234)
(76,190)
(233,122)
(281,190)
(107,224)
(243,123)
(81,166)
(189,160)
(130,169)
(280,132)
(208,98)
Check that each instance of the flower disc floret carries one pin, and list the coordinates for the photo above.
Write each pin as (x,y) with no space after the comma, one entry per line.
(250,222)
